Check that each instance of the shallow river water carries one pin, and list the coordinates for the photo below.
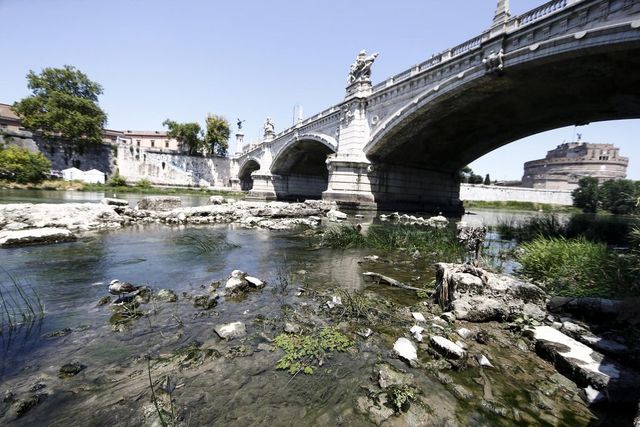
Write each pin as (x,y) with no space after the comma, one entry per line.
(235,382)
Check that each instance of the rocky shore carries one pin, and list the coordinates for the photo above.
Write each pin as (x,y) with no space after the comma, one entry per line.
(25,223)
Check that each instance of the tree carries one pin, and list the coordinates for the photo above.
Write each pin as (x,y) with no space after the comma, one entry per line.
(189,135)
(467,176)
(217,136)
(586,195)
(487,180)
(23,166)
(619,196)
(64,104)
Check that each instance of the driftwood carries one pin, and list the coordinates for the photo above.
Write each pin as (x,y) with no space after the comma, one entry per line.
(388,280)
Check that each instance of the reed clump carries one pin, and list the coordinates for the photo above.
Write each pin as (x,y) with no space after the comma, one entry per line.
(19,302)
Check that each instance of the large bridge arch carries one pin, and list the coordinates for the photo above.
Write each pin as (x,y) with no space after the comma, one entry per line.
(250,165)
(301,162)
(542,87)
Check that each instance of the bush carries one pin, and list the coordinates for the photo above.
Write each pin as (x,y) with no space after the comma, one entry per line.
(575,267)
(143,183)
(116,181)
(23,166)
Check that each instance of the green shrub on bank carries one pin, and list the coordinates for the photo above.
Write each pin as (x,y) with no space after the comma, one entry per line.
(143,183)
(117,181)
(576,267)
(23,166)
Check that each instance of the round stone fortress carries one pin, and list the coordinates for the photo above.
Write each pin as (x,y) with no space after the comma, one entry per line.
(565,165)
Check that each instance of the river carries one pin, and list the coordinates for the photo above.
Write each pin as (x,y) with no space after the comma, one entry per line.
(239,385)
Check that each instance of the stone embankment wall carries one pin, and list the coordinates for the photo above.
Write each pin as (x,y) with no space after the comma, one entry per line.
(494,193)
(172,169)
(64,155)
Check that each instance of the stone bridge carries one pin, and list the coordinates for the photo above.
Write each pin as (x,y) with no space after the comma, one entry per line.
(401,143)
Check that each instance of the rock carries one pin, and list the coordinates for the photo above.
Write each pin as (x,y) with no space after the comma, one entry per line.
(292,328)
(461,393)
(372,258)
(477,295)
(237,281)
(365,333)
(417,332)
(166,295)
(438,221)
(35,236)
(336,216)
(585,366)
(573,329)
(255,282)
(115,202)
(70,216)
(159,203)
(205,302)
(448,316)
(418,316)
(389,376)
(23,406)
(335,301)
(604,345)
(446,347)
(592,396)
(70,369)
(216,200)
(405,350)
(483,361)
(464,333)
(482,337)
(231,330)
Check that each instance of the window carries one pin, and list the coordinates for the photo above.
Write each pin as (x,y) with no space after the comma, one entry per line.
(138,142)
(166,144)
(153,142)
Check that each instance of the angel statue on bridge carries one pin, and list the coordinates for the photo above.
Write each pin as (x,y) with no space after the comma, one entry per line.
(360,70)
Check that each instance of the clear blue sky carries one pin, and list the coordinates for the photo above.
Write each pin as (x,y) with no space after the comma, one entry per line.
(159,59)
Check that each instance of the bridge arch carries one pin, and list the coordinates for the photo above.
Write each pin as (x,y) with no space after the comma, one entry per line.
(301,161)
(448,126)
(418,149)
(247,167)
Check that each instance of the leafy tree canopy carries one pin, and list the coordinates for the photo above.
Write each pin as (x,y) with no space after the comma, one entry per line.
(189,135)
(196,141)
(585,196)
(468,176)
(63,104)
(23,166)
(217,135)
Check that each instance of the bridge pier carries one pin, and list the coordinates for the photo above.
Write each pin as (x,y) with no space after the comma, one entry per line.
(264,186)
(366,185)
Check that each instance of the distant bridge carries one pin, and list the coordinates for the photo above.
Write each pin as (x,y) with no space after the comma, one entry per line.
(401,143)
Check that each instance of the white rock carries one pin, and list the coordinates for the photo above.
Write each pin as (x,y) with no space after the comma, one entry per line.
(216,200)
(464,333)
(590,395)
(461,344)
(446,347)
(483,361)
(418,316)
(405,349)
(231,330)
(254,281)
(115,202)
(448,316)
(234,283)
(417,332)
(35,236)
(335,215)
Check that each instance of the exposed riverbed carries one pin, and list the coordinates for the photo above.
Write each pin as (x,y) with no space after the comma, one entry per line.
(235,382)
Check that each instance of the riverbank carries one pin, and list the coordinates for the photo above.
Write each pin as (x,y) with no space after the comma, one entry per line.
(59,185)
(324,336)
(520,206)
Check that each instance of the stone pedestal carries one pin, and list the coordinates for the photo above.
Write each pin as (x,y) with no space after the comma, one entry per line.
(265,186)
(235,184)
(349,181)
(239,142)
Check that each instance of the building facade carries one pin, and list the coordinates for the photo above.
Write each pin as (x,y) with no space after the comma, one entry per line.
(563,166)
(158,140)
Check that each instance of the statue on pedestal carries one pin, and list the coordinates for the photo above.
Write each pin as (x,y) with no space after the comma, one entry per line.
(239,123)
(360,70)
(269,128)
